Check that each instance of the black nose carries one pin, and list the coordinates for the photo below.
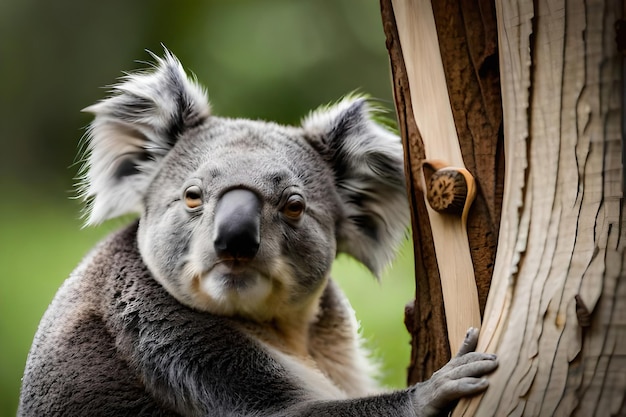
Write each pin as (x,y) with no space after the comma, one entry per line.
(237,225)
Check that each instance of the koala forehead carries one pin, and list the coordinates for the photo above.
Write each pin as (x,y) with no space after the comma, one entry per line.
(231,153)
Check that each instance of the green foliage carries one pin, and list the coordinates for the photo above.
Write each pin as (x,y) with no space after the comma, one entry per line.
(275,60)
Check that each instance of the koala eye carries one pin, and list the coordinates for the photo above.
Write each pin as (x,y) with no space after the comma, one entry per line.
(294,207)
(193,197)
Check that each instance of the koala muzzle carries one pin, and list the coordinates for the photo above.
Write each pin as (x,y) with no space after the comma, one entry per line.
(237,225)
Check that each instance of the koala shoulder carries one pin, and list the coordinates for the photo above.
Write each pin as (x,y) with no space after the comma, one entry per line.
(73,358)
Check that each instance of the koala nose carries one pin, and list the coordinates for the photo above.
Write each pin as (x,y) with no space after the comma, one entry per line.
(237,225)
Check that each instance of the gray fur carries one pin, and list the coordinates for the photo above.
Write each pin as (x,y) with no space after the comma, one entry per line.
(163,318)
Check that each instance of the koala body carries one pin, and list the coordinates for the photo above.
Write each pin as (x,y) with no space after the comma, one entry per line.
(218,300)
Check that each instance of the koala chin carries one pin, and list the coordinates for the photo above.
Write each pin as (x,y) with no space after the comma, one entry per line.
(218,300)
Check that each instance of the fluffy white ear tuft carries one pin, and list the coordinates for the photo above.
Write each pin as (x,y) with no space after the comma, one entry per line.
(132,131)
(368,163)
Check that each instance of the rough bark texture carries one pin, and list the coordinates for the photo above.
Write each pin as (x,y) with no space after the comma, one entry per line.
(468,42)
(469,55)
(556,313)
(425,319)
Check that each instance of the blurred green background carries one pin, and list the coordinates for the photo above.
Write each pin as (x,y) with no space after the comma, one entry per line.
(272,59)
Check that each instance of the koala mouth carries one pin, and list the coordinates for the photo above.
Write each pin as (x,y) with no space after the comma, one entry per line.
(238,277)
(235,288)
(235,274)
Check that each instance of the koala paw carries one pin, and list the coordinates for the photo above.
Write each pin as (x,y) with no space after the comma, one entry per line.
(460,377)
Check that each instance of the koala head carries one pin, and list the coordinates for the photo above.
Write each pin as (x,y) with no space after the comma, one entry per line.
(242,217)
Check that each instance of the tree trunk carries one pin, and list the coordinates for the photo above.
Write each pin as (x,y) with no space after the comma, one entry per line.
(556,310)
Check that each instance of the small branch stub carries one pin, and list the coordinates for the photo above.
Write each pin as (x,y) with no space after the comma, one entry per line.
(449,190)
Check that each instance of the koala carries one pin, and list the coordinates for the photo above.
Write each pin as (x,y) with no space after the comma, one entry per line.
(217,301)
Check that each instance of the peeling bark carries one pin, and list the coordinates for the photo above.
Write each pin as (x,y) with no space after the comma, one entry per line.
(557,305)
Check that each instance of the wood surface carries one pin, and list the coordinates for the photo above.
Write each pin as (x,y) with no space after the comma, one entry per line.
(469,58)
(418,37)
(556,312)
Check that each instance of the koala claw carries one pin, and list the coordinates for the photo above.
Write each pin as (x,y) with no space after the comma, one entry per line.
(460,377)
(470,341)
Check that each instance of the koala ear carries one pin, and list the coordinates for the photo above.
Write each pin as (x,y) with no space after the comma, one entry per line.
(368,164)
(132,131)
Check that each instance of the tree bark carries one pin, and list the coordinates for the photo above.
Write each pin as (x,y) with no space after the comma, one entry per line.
(470,62)
(556,310)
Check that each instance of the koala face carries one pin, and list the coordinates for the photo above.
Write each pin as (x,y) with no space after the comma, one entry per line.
(241,217)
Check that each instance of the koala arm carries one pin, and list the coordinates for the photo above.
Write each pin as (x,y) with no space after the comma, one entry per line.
(435,397)
(248,383)
(460,377)
(218,371)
